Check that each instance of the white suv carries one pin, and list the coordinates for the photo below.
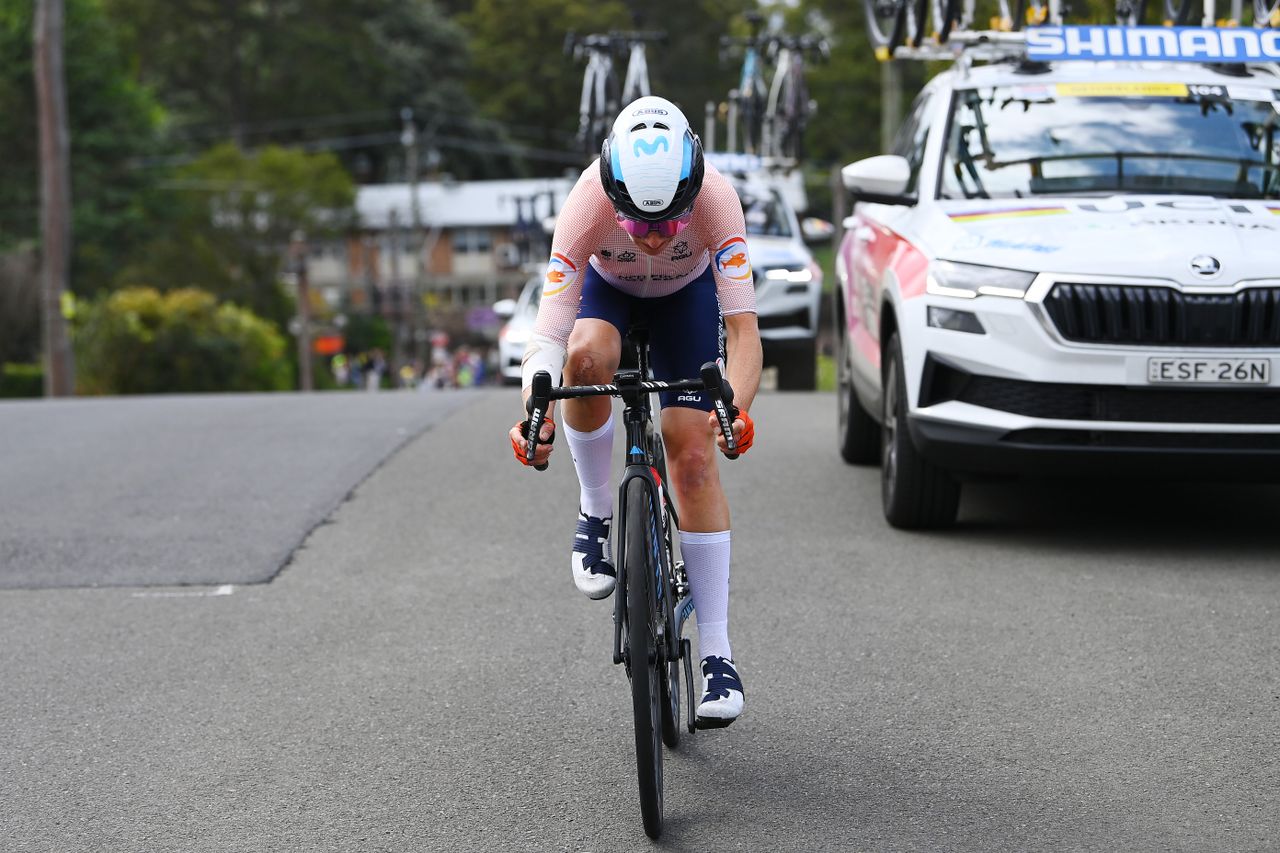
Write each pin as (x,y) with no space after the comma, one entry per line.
(788,282)
(1065,268)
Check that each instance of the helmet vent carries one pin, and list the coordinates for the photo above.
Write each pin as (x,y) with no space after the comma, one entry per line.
(640,126)
(660,126)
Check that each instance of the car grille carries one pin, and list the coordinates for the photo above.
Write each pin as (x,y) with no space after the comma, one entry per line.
(798,318)
(1143,440)
(1162,316)
(1062,401)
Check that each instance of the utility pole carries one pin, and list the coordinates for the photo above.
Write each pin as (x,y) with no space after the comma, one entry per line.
(890,101)
(409,139)
(298,251)
(55,195)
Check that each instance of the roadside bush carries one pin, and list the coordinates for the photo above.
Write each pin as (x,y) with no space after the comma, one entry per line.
(21,380)
(141,341)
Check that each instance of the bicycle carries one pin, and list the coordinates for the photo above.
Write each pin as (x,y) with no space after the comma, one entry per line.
(749,98)
(636,83)
(601,96)
(789,105)
(598,104)
(652,601)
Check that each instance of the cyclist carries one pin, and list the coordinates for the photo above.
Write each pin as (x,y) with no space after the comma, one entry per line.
(651,232)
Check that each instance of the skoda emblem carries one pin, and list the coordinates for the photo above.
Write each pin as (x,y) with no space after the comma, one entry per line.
(1205,266)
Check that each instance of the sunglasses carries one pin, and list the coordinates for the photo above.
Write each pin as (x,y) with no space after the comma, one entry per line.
(665,228)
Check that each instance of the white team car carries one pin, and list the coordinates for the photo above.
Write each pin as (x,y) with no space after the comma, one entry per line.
(788,283)
(1065,267)
(520,313)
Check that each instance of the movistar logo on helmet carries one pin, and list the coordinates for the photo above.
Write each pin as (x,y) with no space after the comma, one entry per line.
(651,148)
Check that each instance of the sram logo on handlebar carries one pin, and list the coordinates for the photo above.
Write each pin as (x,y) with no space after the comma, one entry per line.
(1176,44)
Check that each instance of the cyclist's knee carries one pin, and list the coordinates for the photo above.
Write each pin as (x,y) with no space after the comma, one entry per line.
(588,366)
(693,468)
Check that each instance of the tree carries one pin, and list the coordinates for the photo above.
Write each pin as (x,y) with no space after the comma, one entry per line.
(233,214)
(330,73)
(521,77)
(112,123)
(55,195)
(140,341)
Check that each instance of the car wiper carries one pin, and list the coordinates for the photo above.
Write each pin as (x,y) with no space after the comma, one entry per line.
(1241,185)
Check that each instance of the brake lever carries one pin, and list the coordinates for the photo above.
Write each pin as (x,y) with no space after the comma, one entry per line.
(539,401)
(717,385)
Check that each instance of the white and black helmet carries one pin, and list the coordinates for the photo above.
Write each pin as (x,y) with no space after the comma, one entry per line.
(651,163)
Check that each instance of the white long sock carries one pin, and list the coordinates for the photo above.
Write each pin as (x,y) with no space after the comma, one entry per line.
(593,460)
(706,560)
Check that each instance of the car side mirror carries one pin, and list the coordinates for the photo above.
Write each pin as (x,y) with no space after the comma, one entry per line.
(816,230)
(881,180)
(505,308)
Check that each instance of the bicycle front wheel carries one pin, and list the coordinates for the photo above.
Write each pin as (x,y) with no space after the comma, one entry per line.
(647,670)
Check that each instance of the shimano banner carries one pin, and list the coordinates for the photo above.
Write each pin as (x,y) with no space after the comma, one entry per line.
(1178,44)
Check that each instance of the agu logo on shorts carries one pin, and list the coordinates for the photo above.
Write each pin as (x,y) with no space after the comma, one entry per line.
(560,275)
(732,260)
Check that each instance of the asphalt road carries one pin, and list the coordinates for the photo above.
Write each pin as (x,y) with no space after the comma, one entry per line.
(1089,667)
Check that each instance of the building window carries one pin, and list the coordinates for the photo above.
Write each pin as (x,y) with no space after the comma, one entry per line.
(472,241)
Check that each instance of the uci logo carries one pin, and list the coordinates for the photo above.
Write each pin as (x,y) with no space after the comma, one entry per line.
(651,148)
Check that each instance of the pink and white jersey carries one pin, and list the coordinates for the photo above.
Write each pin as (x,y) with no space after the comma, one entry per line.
(587,231)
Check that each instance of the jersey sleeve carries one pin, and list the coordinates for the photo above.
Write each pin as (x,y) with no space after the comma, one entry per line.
(579,224)
(726,232)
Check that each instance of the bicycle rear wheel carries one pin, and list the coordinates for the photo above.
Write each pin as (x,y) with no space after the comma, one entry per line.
(647,671)
(886,22)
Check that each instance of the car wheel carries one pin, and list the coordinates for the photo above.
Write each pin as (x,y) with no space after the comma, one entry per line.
(857,432)
(917,494)
(798,366)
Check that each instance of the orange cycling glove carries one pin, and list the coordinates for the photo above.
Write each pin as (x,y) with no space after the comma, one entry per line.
(521,448)
(748,429)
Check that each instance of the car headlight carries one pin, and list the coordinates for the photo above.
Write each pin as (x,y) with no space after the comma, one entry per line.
(948,278)
(796,274)
(516,336)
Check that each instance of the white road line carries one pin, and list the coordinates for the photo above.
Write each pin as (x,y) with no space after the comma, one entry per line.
(225,589)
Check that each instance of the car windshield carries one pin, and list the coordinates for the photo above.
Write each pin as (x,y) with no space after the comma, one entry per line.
(1092,139)
(765,214)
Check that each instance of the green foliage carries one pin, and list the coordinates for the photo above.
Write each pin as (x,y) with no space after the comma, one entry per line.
(288,71)
(21,380)
(229,217)
(112,121)
(141,341)
(365,332)
(521,77)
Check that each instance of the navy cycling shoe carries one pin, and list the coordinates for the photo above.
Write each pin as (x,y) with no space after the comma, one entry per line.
(721,693)
(593,571)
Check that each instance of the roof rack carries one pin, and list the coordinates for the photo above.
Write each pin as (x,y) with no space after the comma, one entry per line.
(1239,47)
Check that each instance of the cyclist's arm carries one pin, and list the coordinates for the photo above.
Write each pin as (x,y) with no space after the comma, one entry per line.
(744,357)
(586,211)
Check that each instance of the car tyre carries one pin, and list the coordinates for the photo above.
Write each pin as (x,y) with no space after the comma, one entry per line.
(857,432)
(798,366)
(917,494)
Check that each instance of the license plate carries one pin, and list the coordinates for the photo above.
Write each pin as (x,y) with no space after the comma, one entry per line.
(1210,371)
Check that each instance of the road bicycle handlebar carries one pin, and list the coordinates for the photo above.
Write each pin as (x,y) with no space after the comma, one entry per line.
(712,380)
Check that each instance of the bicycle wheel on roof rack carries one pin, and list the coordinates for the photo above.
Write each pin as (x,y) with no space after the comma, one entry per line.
(886,22)
(1129,13)
(946,16)
(1181,13)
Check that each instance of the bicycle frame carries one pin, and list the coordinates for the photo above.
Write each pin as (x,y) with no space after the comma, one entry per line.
(637,80)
